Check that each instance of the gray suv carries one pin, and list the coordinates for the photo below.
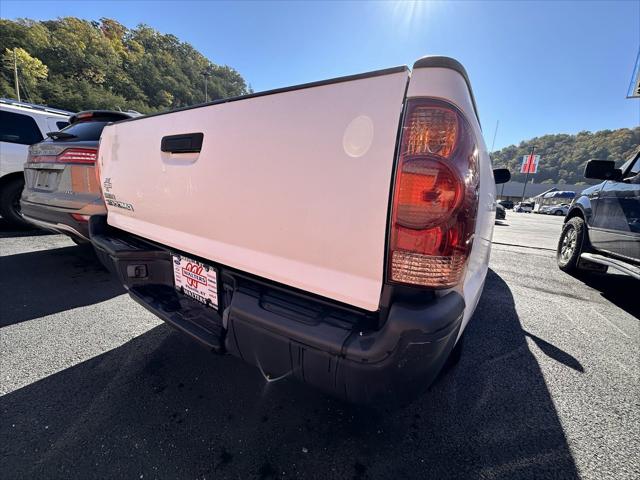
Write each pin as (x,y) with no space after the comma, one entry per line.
(61,188)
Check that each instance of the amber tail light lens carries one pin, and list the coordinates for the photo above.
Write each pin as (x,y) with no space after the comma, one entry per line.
(435,198)
(96,171)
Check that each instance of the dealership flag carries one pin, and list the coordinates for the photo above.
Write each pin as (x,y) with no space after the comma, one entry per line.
(529,163)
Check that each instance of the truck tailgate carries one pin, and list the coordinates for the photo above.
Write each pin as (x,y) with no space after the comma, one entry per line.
(292,186)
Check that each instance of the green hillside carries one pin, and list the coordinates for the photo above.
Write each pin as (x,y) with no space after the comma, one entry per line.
(77,64)
(563,157)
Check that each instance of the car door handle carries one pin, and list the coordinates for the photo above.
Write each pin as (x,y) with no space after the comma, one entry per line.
(183,143)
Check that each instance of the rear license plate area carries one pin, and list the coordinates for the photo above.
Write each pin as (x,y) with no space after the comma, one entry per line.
(46,179)
(196,280)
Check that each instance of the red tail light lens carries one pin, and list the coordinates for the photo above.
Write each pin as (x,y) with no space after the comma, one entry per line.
(80,218)
(57,154)
(78,155)
(435,196)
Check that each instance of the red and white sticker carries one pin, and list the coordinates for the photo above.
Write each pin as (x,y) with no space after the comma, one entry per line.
(195,279)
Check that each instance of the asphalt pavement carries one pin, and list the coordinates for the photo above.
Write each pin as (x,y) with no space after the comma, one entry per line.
(94,386)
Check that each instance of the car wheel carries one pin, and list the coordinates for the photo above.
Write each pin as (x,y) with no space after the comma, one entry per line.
(558,212)
(570,245)
(10,202)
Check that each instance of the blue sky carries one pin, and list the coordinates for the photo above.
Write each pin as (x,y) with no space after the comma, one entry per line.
(537,67)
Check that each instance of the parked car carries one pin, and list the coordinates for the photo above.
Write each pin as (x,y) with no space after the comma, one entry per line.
(602,228)
(561,209)
(508,204)
(501,212)
(525,207)
(261,225)
(21,124)
(62,190)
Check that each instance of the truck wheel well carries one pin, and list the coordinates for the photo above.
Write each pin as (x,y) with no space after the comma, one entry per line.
(576,212)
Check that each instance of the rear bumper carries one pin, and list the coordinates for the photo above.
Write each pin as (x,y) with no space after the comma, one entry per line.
(289,334)
(59,220)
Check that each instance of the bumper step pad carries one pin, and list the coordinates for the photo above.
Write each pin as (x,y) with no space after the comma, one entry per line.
(190,316)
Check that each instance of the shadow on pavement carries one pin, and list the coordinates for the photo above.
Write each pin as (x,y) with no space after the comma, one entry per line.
(621,290)
(557,354)
(8,230)
(161,406)
(40,283)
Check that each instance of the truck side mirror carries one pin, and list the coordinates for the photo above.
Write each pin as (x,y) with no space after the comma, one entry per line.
(602,170)
(501,175)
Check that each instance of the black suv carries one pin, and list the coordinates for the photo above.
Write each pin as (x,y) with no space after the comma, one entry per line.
(602,227)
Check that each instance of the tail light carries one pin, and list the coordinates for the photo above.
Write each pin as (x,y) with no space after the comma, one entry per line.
(59,154)
(80,218)
(96,171)
(435,197)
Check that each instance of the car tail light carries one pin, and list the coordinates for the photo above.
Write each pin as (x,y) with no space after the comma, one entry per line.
(96,171)
(48,154)
(435,197)
(80,218)
(78,155)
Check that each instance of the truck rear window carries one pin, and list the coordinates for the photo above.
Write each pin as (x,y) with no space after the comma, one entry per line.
(85,130)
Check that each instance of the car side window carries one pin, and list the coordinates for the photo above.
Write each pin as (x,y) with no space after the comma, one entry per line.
(633,175)
(17,128)
(62,125)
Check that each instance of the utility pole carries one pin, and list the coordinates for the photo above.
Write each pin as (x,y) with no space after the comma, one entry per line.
(529,165)
(15,72)
(206,74)
(495,132)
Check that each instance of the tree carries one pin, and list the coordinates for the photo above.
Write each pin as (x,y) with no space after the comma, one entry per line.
(563,157)
(30,69)
(103,64)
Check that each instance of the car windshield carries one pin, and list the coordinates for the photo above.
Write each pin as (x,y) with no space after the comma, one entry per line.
(83,130)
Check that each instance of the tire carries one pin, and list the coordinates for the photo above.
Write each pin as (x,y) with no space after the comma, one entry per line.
(10,194)
(558,212)
(573,241)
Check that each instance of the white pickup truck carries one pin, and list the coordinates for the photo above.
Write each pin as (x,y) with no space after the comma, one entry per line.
(337,232)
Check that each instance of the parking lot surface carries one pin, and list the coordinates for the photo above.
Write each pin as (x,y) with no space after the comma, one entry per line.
(94,386)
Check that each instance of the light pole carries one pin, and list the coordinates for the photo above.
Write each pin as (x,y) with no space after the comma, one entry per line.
(206,74)
(15,73)
(495,133)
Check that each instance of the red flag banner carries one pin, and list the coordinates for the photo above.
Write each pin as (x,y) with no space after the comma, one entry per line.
(529,163)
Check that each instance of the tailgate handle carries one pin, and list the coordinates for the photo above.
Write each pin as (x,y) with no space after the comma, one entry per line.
(183,143)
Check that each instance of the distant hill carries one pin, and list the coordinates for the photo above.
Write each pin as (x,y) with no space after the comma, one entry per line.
(78,64)
(563,157)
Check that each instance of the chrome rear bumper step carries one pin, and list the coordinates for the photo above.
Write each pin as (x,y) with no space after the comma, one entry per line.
(619,265)
(55,227)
